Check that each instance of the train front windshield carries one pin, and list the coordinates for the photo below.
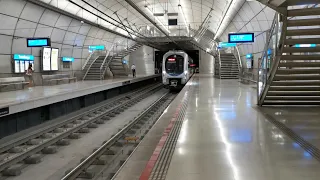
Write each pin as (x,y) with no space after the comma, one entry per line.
(174,64)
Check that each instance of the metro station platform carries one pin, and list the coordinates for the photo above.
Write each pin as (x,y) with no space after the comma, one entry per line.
(214,130)
(37,96)
(26,108)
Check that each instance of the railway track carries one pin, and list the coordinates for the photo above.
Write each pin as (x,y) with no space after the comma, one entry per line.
(17,154)
(105,161)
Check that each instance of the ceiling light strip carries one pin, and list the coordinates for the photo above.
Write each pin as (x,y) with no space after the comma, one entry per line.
(184,18)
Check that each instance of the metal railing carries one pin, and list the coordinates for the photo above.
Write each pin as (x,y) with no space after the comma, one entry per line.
(98,53)
(271,56)
(105,63)
(248,75)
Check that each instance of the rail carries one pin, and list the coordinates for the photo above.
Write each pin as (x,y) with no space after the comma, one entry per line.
(74,173)
(88,59)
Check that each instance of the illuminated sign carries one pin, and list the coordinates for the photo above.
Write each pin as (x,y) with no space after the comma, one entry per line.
(305,45)
(241,38)
(269,51)
(249,56)
(25,57)
(54,59)
(46,53)
(124,62)
(192,65)
(67,59)
(94,48)
(171,59)
(38,42)
(226,44)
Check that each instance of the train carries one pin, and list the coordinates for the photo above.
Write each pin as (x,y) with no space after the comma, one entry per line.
(176,69)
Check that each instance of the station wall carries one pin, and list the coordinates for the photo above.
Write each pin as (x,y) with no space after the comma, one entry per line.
(252,17)
(206,63)
(20,19)
(144,60)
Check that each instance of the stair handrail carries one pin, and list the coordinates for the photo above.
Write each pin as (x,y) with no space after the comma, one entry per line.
(105,62)
(98,52)
(88,59)
(219,59)
(268,78)
(238,57)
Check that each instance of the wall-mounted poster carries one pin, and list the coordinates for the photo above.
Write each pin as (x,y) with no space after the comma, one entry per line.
(46,63)
(17,66)
(54,59)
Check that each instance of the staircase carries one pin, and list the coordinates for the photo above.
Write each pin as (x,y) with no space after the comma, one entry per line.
(94,72)
(116,65)
(295,76)
(229,66)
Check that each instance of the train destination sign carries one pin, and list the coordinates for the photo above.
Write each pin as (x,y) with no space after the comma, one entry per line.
(241,38)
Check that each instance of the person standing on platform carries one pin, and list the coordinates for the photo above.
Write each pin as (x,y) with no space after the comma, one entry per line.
(133,69)
(29,74)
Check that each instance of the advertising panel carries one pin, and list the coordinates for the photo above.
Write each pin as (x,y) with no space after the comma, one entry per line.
(17,66)
(22,63)
(54,59)
(46,64)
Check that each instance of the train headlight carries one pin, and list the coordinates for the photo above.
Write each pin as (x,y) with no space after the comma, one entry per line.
(185,73)
(164,73)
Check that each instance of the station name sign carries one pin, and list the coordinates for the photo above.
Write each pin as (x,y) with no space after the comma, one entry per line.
(241,38)
(226,44)
(67,59)
(25,57)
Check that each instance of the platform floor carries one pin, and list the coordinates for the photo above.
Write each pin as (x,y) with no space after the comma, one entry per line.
(225,136)
(42,95)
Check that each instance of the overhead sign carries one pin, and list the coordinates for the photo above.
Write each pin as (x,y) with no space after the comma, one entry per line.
(305,45)
(226,44)
(249,56)
(25,57)
(38,42)
(241,38)
(98,47)
(67,59)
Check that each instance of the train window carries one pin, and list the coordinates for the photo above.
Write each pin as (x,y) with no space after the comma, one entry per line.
(174,64)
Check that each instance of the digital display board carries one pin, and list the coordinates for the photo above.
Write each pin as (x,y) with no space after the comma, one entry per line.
(54,59)
(226,44)
(98,47)
(67,59)
(46,63)
(26,57)
(241,38)
(38,42)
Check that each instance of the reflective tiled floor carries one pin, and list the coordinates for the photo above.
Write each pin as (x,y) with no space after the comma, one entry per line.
(224,137)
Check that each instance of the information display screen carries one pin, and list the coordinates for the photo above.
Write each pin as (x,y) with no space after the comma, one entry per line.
(54,59)
(38,42)
(241,38)
(46,63)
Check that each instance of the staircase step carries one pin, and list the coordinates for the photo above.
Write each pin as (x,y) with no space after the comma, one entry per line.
(299,64)
(304,12)
(293,93)
(294,88)
(303,32)
(293,103)
(304,49)
(300,57)
(294,98)
(304,22)
(298,71)
(296,83)
(302,41)
(297,77)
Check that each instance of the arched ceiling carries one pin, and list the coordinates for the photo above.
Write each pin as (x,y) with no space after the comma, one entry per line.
(103,12)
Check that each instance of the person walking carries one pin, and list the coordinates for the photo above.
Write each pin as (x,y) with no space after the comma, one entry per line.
(29,75)
(133,69)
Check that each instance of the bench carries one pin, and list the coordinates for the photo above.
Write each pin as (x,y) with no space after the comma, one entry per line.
(15,82)
(57,78)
